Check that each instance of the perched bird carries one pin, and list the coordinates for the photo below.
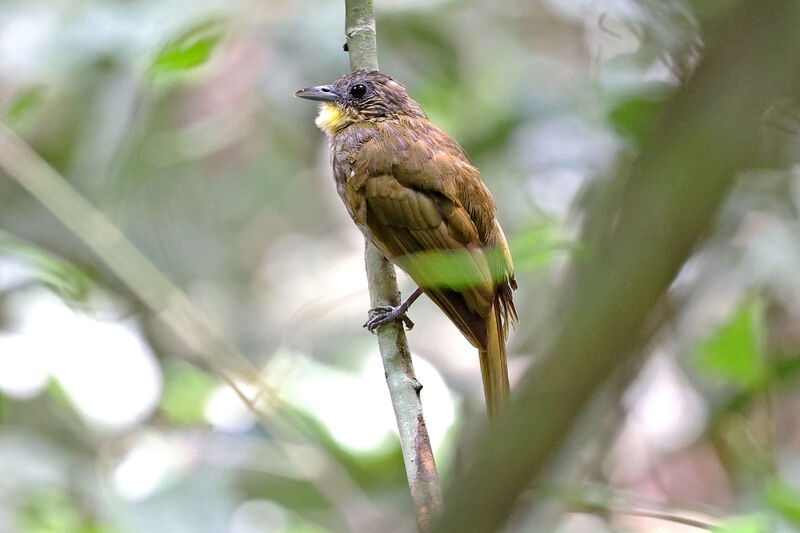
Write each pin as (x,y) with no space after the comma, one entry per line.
(411,190)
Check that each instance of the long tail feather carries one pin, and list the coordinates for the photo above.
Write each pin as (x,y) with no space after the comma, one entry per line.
(494,368)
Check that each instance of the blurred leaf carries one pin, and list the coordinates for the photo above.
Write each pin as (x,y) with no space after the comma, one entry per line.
(191,49)
(735,352)
(784,499)
(584,498)
(538,245)
(746,524)
(634,117)
(23,104)
(185,392)
(453,268)
(57,392)
(295,494)
(58,274)
(54,511)
(48,511)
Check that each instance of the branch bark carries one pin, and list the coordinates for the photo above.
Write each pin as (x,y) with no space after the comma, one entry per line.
(706,135)
(404,389)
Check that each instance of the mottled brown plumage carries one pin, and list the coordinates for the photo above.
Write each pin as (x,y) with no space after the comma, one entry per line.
(412,191)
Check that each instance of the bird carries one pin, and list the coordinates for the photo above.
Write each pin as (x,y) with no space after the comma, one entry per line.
(413,193)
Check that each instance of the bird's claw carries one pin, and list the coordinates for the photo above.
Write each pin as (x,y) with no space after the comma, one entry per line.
(383,314)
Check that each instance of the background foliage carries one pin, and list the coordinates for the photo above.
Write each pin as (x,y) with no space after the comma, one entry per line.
(176,120)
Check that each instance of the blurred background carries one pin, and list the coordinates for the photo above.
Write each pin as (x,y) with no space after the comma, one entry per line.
(176,120)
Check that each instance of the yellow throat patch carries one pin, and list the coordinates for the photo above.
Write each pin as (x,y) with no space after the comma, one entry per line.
(330,118)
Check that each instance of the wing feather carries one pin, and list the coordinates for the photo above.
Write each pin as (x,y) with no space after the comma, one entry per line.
(426,209)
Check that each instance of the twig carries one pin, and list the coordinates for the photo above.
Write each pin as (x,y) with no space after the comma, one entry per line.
(423,479)
(604,502)
(669,517)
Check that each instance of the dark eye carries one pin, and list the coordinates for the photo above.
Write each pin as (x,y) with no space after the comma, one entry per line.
(358,90)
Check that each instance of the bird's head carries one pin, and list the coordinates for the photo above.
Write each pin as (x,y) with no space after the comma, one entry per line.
(362,95)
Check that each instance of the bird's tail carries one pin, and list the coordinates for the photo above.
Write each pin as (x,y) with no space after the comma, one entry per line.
(494,368)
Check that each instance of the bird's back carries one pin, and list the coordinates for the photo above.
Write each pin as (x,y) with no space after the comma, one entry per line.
(412,191)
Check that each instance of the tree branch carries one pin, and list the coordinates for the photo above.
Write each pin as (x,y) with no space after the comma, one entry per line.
(706,135)
(423,479)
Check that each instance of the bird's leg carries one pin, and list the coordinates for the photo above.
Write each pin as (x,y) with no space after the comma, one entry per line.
(383,314)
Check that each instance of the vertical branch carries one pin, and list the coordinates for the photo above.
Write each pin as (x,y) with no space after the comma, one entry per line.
(361,36)
(423,479)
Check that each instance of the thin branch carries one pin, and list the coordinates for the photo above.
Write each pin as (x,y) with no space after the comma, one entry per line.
(423,478)
(706,135)
(362,43)
(605,502)
(669,517)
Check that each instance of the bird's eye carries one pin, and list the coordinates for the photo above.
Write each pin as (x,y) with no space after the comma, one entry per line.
(358,90)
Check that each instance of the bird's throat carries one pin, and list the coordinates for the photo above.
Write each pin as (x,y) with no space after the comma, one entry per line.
(330,118)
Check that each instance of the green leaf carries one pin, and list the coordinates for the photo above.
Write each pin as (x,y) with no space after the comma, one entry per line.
(190,50)
(635,115)
(784,499)
(538,245)
(58,274)
(49,511)
(52,510)
(746,524)
(454,269)
(185,392)
(23,104)
(735,353)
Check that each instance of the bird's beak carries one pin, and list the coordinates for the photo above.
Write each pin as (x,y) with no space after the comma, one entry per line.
(322,93)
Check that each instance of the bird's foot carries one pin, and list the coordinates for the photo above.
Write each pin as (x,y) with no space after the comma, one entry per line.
(383,314)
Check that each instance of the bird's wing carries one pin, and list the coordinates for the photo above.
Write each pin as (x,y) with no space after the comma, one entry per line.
(406,194)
